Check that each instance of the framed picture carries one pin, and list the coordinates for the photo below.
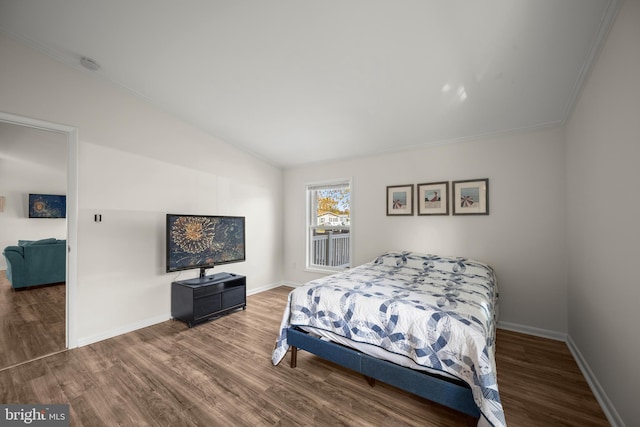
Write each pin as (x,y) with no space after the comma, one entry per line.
(400,200)
(471,197)
(433,198)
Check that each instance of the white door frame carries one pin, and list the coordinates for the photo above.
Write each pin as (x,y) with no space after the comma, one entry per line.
(72,212)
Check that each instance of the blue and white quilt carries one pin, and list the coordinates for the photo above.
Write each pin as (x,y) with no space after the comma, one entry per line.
(440,312)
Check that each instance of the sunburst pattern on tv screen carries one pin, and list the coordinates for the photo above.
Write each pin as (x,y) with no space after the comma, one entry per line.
(204,241)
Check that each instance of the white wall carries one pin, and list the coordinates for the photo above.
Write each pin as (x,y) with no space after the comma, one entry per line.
(603,149)
(522,237)
(137,163)
(31,161)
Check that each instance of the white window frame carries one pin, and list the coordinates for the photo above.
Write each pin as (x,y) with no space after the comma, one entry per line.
(310,211)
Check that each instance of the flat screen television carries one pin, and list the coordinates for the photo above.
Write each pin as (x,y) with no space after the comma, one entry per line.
(47,206)
(204,241)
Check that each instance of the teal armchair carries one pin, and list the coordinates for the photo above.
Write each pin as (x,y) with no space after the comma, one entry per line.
(34,263)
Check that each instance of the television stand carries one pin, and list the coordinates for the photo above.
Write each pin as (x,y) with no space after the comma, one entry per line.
(199,300)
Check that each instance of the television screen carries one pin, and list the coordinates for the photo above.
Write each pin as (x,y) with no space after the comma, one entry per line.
(203,241)
(47,206)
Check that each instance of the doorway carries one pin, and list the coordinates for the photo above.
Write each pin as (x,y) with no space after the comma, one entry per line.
(65,336)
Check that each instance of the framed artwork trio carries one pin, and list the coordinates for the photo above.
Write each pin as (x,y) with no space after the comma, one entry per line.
(468,197)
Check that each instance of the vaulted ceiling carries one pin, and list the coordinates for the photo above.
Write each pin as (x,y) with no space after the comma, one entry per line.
(296,81)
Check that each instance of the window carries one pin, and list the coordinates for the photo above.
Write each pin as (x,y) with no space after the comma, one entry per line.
(329,225)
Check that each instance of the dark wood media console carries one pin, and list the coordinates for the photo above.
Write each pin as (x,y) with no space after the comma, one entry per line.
(198,300)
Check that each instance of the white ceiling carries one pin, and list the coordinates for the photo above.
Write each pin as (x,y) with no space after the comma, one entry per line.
(296,81)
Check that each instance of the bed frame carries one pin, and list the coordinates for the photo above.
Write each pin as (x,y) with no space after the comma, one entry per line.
(451,393)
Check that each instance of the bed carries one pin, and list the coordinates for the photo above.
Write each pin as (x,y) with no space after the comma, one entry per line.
(421,322)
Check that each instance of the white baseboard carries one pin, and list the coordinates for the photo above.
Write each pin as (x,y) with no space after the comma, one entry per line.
(530,330)
(122,330)
(152,321)
(607,407)
(265,288)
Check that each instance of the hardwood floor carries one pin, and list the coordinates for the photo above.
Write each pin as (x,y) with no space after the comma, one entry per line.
(220,374)
(32,322)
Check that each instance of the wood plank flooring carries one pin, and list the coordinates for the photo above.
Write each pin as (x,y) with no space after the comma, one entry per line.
(32,322)
(220,374)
